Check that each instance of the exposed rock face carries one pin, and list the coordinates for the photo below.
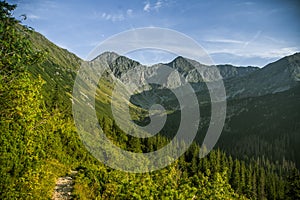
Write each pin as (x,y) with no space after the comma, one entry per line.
(239,81)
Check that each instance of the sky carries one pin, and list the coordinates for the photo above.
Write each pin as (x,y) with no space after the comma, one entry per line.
(237,32)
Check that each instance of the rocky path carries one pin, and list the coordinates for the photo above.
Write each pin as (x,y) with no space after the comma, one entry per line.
(64,187)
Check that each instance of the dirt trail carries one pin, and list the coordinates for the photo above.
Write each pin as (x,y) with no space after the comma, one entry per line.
(64,187)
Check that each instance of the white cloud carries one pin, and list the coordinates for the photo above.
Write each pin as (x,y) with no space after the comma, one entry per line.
(222,40)
(280,52)
(245,41)
(250,45)
(158,5)
(257,56)
(147,7)
(266,52)
(257,46)
(113,17)
(129,12)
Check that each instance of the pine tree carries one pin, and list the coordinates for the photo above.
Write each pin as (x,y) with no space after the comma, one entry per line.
(243,177)
(235,177)
(249,183)
(261,184)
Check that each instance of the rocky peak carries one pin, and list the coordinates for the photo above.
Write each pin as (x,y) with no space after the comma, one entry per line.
(122,65)
(108,57)
(181,64)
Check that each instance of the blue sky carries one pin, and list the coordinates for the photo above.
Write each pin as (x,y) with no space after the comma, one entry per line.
(234,31)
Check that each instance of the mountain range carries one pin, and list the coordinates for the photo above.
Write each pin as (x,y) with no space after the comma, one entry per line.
(262,103)
(240,82)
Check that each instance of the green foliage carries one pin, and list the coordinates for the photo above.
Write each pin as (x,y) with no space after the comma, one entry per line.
(216,176)
(21,108)
(16,51)
(168,183)
(25,124)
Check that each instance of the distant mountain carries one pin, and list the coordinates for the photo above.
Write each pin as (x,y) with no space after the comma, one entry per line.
(124,69)
(239,82)
(187,66)
(275,77)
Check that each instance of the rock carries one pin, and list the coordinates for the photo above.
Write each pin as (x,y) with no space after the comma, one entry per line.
(64,187)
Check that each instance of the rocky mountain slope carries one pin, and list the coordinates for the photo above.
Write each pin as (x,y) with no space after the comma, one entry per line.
(240,82)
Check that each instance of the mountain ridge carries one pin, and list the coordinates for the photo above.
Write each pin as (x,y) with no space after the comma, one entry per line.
(239,82)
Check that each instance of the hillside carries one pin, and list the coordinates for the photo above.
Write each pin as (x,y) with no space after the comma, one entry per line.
(58,70)
(275,77)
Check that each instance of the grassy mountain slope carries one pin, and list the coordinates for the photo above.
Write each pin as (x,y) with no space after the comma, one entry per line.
(58,70)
